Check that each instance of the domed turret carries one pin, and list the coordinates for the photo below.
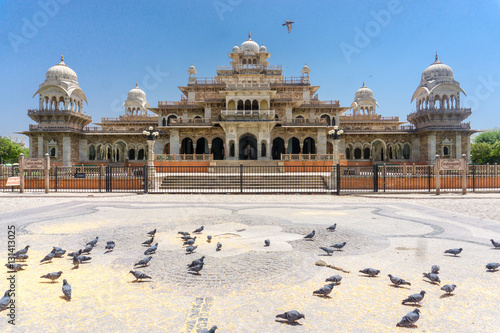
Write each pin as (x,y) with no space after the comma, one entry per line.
(249,45)
(236,48)
(437,70)
(136,103)
(136,93)
(61,71)
(263,49)
(364,103)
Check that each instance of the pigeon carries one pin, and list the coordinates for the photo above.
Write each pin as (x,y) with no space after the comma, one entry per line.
(152,233)
(289,25)
(339,246)
(196,262)
(143,262)
(190,249)
(310,235)
(59,254)
(334,278)
(22,251)
(291,316)
(49,256)
(149,241)
(75,254)
(93,242)
(66,289)
(52,276)
(77,260)
(209,238)
(57,248)
(15,267)
(453,251)
(332,227)
(370,271)
(324,291)
(267,242)
(219,245)
(410,319)
(492,266)
(328,250)
(435,269)
(197,231)
(449,288)
(495,244)
(196,268)
(151,250)
(415,298)
(87,249)
(21,257)
(140,275)
(190,241)
(398,281)
(432,277)
(212,330)
(186,237)
(184,233)
(5,301)
(85,258)
(110,246)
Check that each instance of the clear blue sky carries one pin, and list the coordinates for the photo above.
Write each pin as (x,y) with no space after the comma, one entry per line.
(113,44)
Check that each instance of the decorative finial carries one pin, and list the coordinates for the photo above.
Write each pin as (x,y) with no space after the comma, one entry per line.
(249,34)
(136,85)
(363,84)
(437,56)
(62,57)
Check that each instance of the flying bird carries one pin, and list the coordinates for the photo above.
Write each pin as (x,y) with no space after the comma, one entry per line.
(288,25)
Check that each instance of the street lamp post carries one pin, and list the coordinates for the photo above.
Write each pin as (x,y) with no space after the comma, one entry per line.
(335,135)
(150,136)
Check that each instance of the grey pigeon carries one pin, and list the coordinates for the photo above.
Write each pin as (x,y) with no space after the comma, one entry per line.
(5,300)
(84,258)
(267,242)
(183,232)
(191,249)
(495,244)
(398,281)
(435,269)
(93,242)
(152,233)
(332,227)
(370,271)
(204,330)
(151,250)
(22,251)
(324,291)
(15,267)
(149,241)
(196,262)
(288,25)
(59,254)
(66,289)
(110,246)
(190,241)
(432,277)
(310,235)
(453,251)
(196,268)
(21,257)
(52,276)
(415,298)
(200,229)
(139,275)
(75,254)
(334,278)
(77,260)
(449,288)
(49,256)
(186,237)
(57,248)
(87,249)
(291,316)
(328,250)
(219,246)
(339,246)
(209,238)
(143,262)
(492,266)
(410,319)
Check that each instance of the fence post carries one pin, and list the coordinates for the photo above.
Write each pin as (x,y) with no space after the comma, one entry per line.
(241,178)
(46,169)
(100,177)
(375,178)
(338,179)
(429,176)
(108,176)
(145,178)
(473,178)
(55,178)
(384,176)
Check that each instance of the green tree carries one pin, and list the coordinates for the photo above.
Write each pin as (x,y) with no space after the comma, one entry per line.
(480,152)
(489,137)
(10,150)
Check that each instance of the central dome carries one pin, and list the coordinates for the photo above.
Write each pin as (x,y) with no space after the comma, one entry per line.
(136,93)
(61,71)
(437,70)
(249,45)
(363,92)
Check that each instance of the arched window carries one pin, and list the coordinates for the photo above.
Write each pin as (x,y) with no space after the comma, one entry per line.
(347,153)
(333,121)
(140,154)
(164,122)
(131,154)
(169,119)
(244,62)
(366,153)
(309,146)
(240,105)
(255,105)
(325,118)
(357,153)
(390,153)
(91,152)
(248,105)
(231,105)
(231,149)
(263,149)
(446,151)
(52,152)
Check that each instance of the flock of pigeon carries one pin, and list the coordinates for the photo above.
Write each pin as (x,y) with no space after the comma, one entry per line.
(196,266)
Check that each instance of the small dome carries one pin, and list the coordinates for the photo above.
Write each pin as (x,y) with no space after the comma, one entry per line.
(136,93)
(363,92)
(192,67)
(437,70)
(249,45)
(236,48)
(263,49)
(61,71)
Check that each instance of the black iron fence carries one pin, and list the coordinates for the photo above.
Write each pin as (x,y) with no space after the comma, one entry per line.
(254,179)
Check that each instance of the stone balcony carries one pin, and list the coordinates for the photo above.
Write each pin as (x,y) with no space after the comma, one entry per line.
(247,115)
(304,122)
(249,69)
(190,122)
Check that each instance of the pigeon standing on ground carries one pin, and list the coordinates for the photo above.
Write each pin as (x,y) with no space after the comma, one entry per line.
(87,249)
(52,276)
(435,269)
(66,289)
(57,248)
(291,316)
(59,254)
(212,330)
(267,242)
(219,246)
(415,298)
(310,235)
(196,269)
(151,250)
(432,277)
(152,233)
(110,246)
(22,251)
(5,300)
(93,242)
(186,237)
(339,246)
(398,281)
(49,256)
(15,267)
(183,233)
(495,244)
(75,254)
(334,278)
(370,271)
(410,319)
(449,288)
(143,262)
(332,227)
(288,25)
(209,238)
(492,266)
(190,249)
(21,257)
(324,291)
(454,251)
(77,260)
(190,241)
(196,262)
(139,275)
(197,231)
(328,250)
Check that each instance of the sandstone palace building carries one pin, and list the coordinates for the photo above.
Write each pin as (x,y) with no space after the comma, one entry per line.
(250,111)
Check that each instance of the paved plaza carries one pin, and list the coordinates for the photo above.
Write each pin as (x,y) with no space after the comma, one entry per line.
(245,285)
